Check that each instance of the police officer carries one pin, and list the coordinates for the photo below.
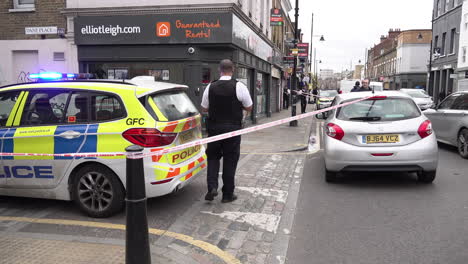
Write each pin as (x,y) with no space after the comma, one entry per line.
(224,101)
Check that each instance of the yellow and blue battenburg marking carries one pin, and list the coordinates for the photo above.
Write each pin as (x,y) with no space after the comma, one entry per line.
(47,140)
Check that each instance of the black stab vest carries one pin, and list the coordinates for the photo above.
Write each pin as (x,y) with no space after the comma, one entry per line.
(224,107)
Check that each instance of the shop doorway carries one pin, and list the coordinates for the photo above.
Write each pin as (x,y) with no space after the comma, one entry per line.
(193,79)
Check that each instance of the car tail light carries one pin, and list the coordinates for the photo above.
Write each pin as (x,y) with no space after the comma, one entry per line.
(335,131)
(379,97)
(425,129)
(149,137)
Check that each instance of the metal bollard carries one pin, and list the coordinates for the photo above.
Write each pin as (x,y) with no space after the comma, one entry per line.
(137,249)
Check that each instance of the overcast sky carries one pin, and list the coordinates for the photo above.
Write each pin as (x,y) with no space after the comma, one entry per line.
(349,27)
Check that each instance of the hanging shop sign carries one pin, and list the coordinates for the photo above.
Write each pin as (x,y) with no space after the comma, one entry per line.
(276,17)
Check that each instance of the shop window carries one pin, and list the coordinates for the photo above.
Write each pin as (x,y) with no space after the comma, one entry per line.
(206,75)
(23,4)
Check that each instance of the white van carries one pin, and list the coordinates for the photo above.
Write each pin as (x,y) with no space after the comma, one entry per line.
(377,86)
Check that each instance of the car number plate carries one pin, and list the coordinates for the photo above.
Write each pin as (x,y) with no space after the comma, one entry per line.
(373,139)
(186,137)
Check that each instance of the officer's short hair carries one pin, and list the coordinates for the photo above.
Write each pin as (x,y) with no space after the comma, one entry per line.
(226,66)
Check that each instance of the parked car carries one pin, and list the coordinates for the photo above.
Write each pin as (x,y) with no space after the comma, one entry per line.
(386,132)
(450,121)
(422,99)
(325,98)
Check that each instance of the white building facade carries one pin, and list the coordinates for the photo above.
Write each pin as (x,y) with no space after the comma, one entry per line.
(462,69)
(413,51)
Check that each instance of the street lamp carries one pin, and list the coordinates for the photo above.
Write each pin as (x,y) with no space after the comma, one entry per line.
(294,76)
(311,37)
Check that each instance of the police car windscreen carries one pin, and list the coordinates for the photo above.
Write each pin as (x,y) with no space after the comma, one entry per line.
(175,105)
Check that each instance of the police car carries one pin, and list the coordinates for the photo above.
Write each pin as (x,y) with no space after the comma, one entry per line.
(78,116)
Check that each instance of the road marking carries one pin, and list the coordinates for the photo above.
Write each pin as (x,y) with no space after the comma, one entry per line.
(266,222)
(212,249)
(279,195)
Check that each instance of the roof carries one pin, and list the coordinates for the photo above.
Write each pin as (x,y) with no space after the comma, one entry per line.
(141,85)
(357,95)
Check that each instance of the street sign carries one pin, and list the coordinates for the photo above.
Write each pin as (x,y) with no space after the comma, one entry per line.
(276,17)
(294,52)
(288,59)
(40,30)
(303,49)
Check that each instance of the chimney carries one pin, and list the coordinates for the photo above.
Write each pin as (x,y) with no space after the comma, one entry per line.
(393,33)
(382,38)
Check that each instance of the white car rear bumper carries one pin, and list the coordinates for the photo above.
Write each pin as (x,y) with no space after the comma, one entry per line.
(420,155)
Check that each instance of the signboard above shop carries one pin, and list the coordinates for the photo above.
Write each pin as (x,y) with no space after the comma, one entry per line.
(219,28)
(154,29)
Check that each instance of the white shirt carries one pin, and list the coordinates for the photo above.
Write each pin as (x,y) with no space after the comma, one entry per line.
(242,93)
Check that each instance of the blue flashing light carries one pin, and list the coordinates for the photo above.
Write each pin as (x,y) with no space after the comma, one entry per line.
(71,75)
(46,75)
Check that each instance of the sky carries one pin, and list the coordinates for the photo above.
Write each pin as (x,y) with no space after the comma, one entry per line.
(349,27)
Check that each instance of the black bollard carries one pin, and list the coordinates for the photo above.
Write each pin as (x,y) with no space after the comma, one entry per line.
(137,249)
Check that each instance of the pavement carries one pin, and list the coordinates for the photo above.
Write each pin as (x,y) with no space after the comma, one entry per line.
(254,229)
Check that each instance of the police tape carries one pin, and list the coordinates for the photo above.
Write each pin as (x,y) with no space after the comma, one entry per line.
(139,155)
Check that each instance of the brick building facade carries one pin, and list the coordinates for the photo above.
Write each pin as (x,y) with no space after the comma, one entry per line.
(32,39)
(381,65)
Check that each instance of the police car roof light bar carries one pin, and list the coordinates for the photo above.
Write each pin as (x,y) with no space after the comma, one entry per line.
(57,76)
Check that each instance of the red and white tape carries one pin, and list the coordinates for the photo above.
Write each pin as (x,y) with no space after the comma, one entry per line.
(132,155)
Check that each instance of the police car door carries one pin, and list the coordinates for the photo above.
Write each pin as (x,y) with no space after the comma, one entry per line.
(43,127)
(9,103)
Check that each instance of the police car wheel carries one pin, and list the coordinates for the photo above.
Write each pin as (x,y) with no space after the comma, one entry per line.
(97,191)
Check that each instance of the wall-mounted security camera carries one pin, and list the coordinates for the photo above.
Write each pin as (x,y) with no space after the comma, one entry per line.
(191,50)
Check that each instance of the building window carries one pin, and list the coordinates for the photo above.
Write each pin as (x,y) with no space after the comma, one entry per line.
(439,7)
(452,40)
(442,48)
(436,42)
(466,21)
(464,54)
(446,6)
(23,4)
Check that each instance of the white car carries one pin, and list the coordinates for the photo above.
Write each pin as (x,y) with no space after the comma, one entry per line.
(386,132)
(422,99)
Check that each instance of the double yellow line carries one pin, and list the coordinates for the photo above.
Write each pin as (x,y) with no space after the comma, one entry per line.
(212,249)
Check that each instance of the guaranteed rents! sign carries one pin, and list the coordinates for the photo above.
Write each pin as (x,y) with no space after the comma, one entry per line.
(154,29)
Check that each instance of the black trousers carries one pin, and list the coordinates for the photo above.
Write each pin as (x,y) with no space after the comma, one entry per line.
(303,104)
(229,150)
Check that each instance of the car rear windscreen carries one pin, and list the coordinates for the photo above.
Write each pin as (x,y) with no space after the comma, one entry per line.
(174,105)
(388,109)
(328,93)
